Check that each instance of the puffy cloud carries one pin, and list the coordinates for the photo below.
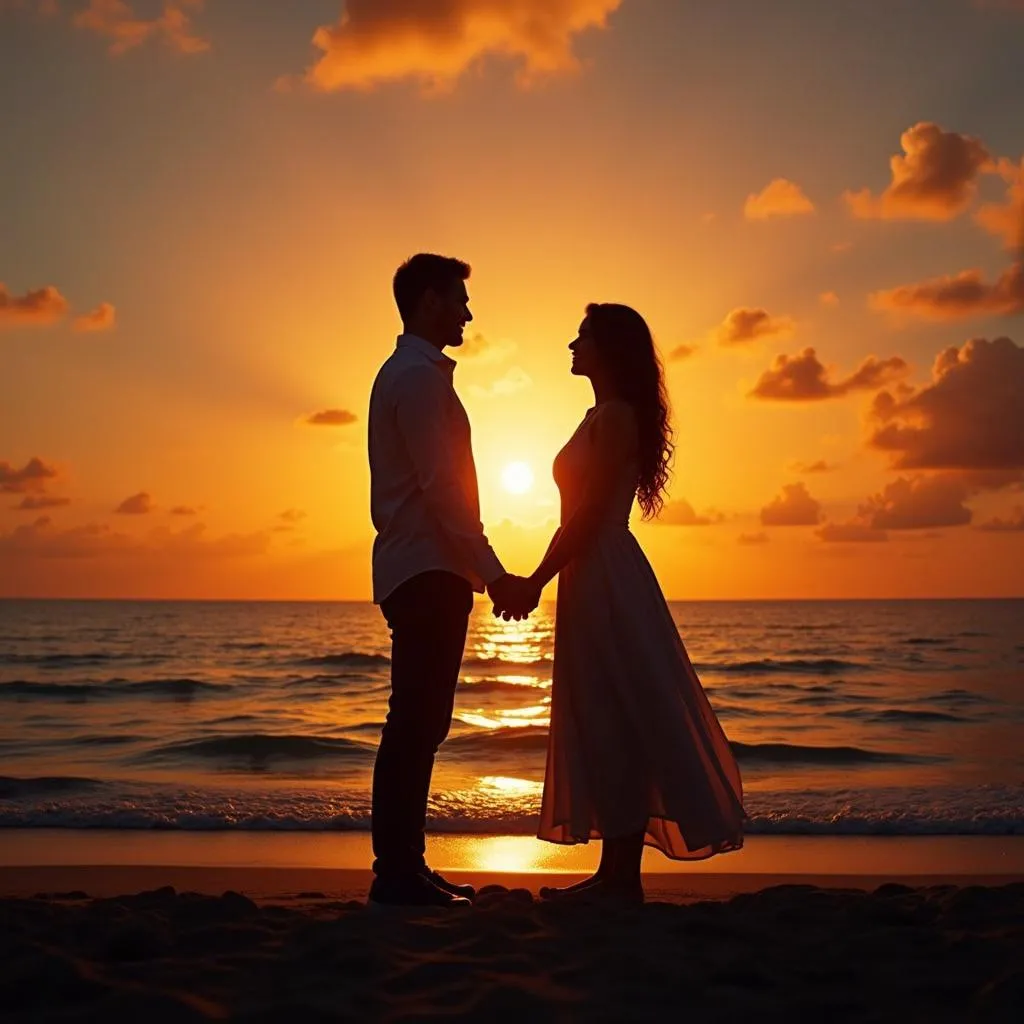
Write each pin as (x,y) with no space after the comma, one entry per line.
(934,179)
(828,299)
(918,503)
(511,382)
(41,539)
(850,533)
(779,198)
(752,538)
(681,352)
(744,325)
(137,505)
(378,41)
(954,297)
(969,417)
(820,466)
(804,378)
(39,307)
(1015,524)
(793,507)
(331,418)
(681,513)
(37,502)
(30,479)
(1006,219)
(102,318)
(117,21)
(482,350)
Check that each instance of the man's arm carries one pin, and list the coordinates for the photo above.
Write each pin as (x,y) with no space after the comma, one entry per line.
(422,402)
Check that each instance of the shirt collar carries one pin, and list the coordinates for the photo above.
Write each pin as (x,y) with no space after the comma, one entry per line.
(432,352)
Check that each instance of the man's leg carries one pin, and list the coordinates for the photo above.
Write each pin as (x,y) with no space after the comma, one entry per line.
(428,616)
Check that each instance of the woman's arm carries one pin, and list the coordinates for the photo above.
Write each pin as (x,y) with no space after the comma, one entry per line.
(614,438)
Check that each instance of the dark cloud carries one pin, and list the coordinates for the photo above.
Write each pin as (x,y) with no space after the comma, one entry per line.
(793,507)
(803,378)
(745,325)
(918,503)
(37,502)
(752,538)
(378,41)
(331,418)
(934,179)
(681,352)
(137,505)
(970,417)
(958,296)
(183,510)
(820,466)
(779,198)
(1015,524)
(30,479)
(118,21)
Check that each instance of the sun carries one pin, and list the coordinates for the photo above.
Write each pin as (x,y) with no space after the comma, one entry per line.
(517,477)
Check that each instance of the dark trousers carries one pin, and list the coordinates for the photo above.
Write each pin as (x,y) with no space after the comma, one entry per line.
(428,616)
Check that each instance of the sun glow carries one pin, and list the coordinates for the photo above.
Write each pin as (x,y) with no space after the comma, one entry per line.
(517,477)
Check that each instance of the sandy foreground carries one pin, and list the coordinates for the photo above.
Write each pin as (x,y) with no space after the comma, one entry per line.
(151,942)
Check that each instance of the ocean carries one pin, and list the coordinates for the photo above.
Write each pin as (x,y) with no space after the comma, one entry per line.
(847,717)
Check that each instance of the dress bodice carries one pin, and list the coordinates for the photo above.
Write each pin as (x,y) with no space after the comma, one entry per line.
(576,463)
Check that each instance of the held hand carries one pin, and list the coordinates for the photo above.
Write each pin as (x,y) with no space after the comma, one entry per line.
(514,597)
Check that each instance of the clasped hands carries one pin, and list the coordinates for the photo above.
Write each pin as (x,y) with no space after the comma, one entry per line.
(514,597)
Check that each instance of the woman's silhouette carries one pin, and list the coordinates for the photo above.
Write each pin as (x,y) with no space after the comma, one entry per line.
(635,753)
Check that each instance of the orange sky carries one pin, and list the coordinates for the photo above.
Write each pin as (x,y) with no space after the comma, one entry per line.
(816,206)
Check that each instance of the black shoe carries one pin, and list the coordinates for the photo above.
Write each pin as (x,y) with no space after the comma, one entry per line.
(465,891)
(411,890)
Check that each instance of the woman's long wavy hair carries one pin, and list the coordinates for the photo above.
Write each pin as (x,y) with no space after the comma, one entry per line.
(622,337)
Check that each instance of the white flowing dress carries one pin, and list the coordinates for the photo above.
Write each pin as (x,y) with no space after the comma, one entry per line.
(634,744)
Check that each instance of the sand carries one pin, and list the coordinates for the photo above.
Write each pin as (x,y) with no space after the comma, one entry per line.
(152,944)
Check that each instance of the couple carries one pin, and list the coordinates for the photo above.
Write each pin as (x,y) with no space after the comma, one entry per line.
(635,752)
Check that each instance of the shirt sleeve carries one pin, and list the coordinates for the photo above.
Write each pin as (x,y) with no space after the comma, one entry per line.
(421,410)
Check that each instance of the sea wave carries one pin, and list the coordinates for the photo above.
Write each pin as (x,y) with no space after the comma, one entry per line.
(21,689)
(767,666)
(353,659)
(895,811)
(259,749)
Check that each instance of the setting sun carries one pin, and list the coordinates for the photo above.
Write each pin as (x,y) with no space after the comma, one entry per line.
(517,477)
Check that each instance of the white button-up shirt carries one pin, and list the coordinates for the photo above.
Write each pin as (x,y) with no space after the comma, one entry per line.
(423,489)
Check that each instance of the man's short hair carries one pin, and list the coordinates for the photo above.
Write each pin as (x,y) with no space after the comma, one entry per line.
(421,273)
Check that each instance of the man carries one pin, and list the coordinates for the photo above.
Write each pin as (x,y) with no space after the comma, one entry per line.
(429,556)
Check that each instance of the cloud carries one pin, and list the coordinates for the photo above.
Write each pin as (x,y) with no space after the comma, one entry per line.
(970,416)
(378,41)
(779,198)
(41,539)
(803,378)
(918,503)
(1006,220)
(30,479)
(752,538)
(821,466)
(102,318)
(1015,524)
(850,533)
(482,350)
(183,510)
(35,308)
(681,352)
(331,418)
(117,21)
(934,179)
(36,502)
(681,513)
(955,297)
(511,382)
(137,505)
(292,515)
(793,507)
(828,299)
(744,325)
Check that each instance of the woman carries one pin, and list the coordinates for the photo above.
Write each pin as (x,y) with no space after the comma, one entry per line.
(635,752)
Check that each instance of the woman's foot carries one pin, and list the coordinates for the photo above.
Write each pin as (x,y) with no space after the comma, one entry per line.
(551,892)
(602,892)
